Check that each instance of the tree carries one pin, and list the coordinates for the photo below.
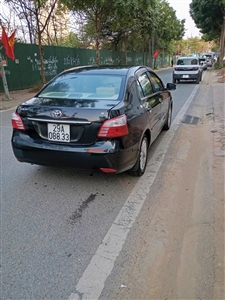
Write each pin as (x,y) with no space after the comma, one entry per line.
(36,14)
(15,15)
(191,45)
(94,11)
(71,40)
(132,24)
(169,27)
(209,17)
(115,22)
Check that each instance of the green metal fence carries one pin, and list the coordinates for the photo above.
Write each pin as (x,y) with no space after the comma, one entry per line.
(25,71)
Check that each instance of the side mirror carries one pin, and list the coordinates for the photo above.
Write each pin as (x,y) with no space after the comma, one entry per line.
(171,86)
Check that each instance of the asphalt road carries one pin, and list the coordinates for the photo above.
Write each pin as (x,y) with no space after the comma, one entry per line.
(58,225)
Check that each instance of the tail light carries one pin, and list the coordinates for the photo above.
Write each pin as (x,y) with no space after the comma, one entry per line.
(17,122)
(108,170)
(113,128)
(195,69)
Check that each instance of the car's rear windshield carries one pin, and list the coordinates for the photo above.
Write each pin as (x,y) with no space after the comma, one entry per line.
(187,61)
(77,86)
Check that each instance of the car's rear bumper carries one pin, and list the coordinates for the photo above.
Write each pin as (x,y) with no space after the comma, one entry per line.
(184,76)
(105,154)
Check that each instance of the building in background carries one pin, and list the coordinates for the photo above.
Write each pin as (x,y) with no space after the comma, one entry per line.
(57,26)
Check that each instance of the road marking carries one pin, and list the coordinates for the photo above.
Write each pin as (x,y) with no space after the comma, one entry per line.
(91,284)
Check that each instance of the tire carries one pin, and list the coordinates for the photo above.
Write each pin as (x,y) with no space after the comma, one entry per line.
(174,80)
(198,80)
(140,166)
(168,119)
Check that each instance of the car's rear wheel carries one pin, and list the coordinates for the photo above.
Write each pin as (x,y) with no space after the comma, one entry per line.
(174,80)
(140,166)
(168,119)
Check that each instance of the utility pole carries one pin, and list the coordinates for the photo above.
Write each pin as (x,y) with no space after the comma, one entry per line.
(4,81)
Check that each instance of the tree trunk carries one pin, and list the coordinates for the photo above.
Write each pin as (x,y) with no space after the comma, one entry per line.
(222,40)
(43,80)
(125,48)
(97,29)
(97,50)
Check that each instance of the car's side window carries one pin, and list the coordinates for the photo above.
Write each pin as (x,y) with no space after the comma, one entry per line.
(156,82)
(144,86)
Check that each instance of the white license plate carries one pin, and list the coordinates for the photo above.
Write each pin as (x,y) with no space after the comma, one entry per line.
(59,132)
(185,76)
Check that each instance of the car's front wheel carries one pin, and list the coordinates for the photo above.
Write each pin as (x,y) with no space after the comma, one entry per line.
(140,166)
(168,119)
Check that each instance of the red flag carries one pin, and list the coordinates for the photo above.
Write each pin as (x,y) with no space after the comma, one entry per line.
(156,54)
(8,43)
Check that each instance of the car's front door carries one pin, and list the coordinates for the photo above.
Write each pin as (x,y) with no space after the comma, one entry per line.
(163,96)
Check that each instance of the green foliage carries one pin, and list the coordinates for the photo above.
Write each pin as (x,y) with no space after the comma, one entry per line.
(168,26)
(208,16)
(70,41)
(218,66)
(128,24)
(192,45)
(37,86)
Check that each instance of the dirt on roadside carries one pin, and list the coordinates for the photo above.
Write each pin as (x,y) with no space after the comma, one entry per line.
(221,73)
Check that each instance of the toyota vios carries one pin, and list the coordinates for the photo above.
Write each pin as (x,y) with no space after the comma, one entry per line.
(94,118)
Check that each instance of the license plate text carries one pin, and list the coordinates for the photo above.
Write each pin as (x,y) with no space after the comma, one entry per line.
(59,132)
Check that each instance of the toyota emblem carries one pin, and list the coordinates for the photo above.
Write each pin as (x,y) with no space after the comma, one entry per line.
(56,113)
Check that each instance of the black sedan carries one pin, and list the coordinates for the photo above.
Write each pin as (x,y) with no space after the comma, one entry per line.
(94,118)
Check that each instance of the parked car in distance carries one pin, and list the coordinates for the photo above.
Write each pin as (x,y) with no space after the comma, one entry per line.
(187,68)
(209,58)
(203,63)
(94,118)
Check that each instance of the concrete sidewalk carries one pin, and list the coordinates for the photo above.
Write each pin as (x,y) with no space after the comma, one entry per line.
(218,132)
(16,98)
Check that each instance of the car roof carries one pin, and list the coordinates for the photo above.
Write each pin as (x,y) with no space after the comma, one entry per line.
(105,69)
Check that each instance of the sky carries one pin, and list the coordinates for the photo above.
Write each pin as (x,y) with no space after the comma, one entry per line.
(182,12)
